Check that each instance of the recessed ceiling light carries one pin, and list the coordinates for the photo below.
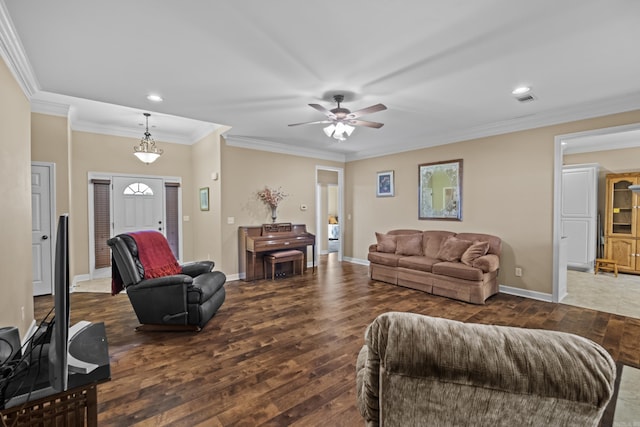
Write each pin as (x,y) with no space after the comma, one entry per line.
(520,90)
(154,98)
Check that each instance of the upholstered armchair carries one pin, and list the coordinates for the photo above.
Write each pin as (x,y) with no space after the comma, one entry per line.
(417,370)
(186,299)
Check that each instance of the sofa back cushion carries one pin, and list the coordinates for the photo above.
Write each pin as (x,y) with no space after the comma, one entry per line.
(453,248)
(409,244)
(432,240)
(495,243)
(404,231)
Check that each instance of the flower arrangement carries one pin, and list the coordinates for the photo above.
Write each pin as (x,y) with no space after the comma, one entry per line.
(272,197)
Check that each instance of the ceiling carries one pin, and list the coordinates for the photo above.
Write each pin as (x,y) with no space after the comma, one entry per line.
(445,69)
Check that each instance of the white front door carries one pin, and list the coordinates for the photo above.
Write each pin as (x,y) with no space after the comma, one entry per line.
(138,204)
(41,229)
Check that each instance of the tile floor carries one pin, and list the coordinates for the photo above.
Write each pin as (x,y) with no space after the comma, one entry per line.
(627,412)
(604,292)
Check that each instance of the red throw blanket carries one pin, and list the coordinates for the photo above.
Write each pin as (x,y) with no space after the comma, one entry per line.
(155,256)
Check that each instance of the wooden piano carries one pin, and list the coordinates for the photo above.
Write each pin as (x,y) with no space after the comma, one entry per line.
(256,241)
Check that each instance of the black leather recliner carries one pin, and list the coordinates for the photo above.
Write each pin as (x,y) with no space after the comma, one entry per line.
(181,301)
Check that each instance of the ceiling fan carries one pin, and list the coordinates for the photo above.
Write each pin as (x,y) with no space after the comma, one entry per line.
(342,121)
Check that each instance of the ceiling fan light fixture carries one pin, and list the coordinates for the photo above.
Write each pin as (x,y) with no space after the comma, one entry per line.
(348,129)
(147,151)
(329,130)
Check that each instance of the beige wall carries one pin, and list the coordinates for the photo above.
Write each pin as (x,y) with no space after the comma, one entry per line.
(16,289)
(244,173)
(507,191)
(205,160)
(50,142)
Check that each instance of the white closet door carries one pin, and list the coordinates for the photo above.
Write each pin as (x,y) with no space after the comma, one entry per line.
(579,214)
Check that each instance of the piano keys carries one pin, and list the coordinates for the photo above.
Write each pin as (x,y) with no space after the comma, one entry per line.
(256,241)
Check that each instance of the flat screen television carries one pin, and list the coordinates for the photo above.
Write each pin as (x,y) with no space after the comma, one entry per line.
(58,347)
(56,357)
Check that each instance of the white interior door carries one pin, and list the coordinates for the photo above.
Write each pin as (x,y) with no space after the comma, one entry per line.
(41,229)
(579,214)
(138,204)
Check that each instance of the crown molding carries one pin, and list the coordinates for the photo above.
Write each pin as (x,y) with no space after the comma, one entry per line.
(13,54)
(50,107)
(84,126)
(274,147)
(584,111)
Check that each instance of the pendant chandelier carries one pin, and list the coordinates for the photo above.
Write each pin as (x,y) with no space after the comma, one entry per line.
(147,151)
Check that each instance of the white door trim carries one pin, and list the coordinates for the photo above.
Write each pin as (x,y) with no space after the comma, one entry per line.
(320,220)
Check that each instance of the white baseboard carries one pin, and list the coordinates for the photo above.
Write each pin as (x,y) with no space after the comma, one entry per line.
(237,276)
(541,296)
(356,260)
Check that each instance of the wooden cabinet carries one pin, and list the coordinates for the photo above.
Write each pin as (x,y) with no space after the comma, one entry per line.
(622,225)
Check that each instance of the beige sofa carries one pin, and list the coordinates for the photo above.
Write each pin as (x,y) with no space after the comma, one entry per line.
(417,370)
(462,266)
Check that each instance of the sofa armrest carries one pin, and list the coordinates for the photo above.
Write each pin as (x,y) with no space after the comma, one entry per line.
(373,247)
(490,363)
(162,300)
(487,263)
(367,385)
(197,268)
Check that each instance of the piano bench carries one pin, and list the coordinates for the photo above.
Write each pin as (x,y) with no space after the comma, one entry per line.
(283,256)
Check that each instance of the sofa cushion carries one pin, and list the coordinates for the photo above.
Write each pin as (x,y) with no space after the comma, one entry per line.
(495,243)
(382,258)
(453,248)
(432,241)
(487,263)
(409,244)
(458,270)
(476,250)
(386,243)
(421,263)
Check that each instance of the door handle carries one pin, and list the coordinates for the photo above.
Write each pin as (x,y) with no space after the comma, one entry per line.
(45,237)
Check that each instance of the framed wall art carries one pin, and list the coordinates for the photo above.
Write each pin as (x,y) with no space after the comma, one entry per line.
(384,184)
(440,190)
(204,199)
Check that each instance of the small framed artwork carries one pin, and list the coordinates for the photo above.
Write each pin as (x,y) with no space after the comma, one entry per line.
(384,184)
(204,199)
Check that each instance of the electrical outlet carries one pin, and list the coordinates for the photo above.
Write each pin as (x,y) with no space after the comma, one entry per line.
(518,272)
(22,309)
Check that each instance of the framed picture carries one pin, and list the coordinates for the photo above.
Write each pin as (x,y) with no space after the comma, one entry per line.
(384,184)
(440,192)
(204,199)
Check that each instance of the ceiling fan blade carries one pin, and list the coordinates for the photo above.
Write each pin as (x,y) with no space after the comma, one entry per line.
(323,110)
(311,123)
(368,110)
(366,123)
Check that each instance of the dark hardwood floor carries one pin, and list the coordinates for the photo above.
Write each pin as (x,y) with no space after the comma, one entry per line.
(283,353)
